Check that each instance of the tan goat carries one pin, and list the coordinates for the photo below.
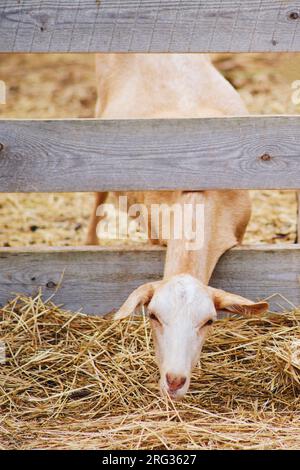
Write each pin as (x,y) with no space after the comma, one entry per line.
(181,306)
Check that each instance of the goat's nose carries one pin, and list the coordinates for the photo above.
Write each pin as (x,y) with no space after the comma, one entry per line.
(175,382)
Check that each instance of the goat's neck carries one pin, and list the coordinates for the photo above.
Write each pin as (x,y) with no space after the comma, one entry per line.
(226,215)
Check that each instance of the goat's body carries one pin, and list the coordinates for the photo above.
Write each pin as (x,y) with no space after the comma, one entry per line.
(140,86)
(137,86)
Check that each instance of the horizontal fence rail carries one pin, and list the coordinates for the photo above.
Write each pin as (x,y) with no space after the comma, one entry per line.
(98,280)
(149,25)
(99,155)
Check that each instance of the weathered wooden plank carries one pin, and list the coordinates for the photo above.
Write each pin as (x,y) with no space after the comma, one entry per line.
(149,25)
(97,280)
(90,155)
(298,216)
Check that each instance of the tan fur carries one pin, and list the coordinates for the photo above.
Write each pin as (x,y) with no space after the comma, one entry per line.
(92,236)
(175,86)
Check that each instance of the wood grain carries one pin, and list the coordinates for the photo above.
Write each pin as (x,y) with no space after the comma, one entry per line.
(97,280)
(298,216)
(100,155)
(149,25)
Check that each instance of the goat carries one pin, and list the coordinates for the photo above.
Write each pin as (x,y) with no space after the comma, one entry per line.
(182,307)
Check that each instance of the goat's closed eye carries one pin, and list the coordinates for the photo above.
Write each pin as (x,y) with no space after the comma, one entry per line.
(153,317)
(208,323)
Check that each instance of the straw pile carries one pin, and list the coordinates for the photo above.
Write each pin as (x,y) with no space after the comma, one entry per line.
(73,381)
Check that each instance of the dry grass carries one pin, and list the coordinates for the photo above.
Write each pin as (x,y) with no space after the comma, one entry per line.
(72,381)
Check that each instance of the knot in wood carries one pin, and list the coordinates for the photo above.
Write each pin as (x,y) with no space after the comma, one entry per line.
(51,285)
(266,157)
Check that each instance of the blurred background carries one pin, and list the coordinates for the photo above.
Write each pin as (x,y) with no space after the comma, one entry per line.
(63,86)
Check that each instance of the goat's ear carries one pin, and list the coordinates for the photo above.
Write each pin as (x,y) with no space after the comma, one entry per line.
(237,304)
(140,296)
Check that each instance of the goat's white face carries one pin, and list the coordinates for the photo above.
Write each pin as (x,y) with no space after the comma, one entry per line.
(181,313)
(182,310)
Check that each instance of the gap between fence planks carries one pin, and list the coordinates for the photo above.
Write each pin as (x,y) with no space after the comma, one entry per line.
(97,280)
(149,26)
(251,152)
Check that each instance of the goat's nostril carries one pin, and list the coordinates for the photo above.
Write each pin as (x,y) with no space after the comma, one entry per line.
(175,382)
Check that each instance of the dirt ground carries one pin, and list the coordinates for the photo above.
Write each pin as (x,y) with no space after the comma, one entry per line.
(63,86)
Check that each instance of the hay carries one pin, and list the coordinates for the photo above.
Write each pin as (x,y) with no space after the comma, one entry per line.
(73,381)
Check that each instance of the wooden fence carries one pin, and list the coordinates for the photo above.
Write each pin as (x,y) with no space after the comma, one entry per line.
(149,25)
(84,155)
(89,155)
(97,279)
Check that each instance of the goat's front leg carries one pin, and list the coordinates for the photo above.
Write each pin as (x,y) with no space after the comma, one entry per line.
(92,238)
